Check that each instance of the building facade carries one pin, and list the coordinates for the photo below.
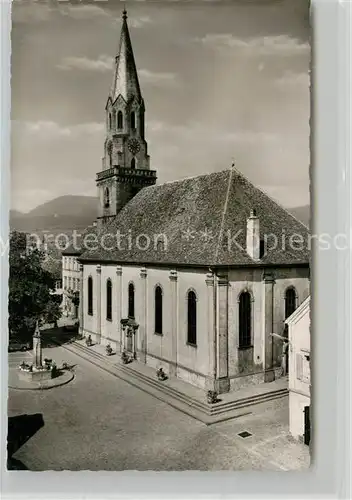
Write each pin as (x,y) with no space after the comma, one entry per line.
(193,276)
(211,331)
(70,284)
(299,372)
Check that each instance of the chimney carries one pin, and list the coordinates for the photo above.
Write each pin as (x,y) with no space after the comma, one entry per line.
(253,236)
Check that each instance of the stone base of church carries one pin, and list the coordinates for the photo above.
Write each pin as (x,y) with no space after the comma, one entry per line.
(222,385)
(242,381)
(96,337)
(173,370)
(202,381)
(269,375)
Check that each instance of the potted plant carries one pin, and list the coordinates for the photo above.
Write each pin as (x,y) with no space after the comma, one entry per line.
(161,375)
(125,358)
(212,397)
(89,342)
(108,350)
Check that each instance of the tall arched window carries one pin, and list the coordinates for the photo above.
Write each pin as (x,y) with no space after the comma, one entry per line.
(141,125)
(133,119)
(110,124)
(290,301)
(158,310)
(245,320)
(113,125)
(119,120)
(109,300)
(90,295)
(106,198)
(133,163)
(192,318)
(131,300)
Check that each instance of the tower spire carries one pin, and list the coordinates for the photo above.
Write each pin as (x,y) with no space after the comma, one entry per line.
(125,81)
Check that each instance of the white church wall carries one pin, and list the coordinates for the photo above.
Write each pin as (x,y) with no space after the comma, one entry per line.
(90,321)
(193,362)
(110,329)
(159,346)
(239,281)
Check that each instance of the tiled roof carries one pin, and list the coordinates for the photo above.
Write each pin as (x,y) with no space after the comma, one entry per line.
(78,244)
(199,219)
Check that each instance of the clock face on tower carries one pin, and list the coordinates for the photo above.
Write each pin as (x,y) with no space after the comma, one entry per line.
(133,146)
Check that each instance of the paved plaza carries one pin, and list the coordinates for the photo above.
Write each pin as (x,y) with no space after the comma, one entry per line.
(99,422)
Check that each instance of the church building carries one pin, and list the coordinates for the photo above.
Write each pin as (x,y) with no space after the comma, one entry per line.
(193,276)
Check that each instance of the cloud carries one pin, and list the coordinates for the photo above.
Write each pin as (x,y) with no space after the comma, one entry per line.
(83,12)
(30,12)
(154,78)
(102,64)
(138,22)
(93,12)
(265,45)
(49,129)
(199,132)
(290,78)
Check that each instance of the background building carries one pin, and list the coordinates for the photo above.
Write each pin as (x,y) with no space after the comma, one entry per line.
(299,371)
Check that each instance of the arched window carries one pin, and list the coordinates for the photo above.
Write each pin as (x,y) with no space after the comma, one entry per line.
(192,318)
(90,295)
(131,300)
(119,120)
(110,124)
(133,163)
(113,125)
(141,125)
(133,120)
(245,319)
(106,198)
(158,310)
(290,301)
(109,300)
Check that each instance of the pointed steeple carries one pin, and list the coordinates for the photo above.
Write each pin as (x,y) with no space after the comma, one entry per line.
(125,82)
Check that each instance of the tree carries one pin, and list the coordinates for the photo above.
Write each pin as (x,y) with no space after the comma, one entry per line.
(29,287)
(52,312)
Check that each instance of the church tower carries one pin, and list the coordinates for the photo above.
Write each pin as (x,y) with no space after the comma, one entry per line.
(125,169)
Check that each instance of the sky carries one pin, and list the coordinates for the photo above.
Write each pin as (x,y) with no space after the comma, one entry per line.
(222,82)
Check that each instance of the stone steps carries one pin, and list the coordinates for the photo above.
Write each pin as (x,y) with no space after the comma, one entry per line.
(208,414)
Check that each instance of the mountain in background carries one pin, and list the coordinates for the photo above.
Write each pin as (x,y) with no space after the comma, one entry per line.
(62,214)
(301,213)
(66,213)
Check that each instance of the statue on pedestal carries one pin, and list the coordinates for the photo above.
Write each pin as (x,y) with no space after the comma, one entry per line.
(37,347)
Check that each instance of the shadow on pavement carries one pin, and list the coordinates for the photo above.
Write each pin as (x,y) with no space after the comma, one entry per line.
(54,337)
(20,429)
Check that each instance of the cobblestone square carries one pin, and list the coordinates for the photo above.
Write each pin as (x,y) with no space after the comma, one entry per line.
(99,422)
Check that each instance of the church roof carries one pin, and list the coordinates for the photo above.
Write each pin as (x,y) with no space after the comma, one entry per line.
(79,243)
(125,82)
(200,221)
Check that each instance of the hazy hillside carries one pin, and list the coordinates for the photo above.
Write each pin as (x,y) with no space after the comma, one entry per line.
(66,205)
(301,213)
(70,212)
(62,214)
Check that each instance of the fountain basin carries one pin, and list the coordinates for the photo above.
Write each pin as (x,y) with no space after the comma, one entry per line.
(35,375)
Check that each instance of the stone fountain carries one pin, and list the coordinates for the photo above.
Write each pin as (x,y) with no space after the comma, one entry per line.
(36,372)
